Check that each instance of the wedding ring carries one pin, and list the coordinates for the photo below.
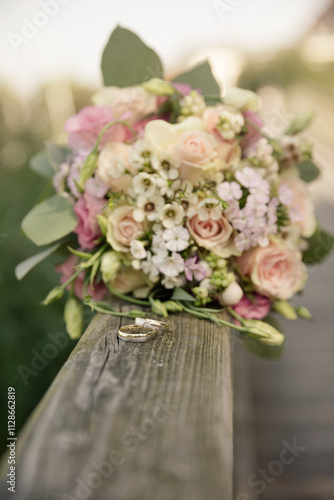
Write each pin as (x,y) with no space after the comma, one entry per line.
(135,333)
(153,324)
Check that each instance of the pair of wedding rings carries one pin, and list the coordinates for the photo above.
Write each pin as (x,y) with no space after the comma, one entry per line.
(143,330)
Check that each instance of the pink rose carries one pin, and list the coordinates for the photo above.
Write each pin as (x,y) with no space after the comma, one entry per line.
(229,152)
(258,308)
(67,269)
(252,135)
(122,228)
(88,229)
(276,271)
(194,149)
(84,128)
(211,117)
(301,208)
(210,234)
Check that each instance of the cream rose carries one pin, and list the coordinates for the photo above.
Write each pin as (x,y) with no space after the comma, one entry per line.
(242,99)
(301,207)
(276,270)
(128,280)
(211,234)
(189,142)
(113,163)
(122,228)
(134,99)
(228,151)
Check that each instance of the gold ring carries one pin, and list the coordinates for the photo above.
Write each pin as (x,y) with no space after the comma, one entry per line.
(135,333)
(153,324)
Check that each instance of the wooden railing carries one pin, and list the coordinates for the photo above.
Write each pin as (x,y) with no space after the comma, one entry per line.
(126,421)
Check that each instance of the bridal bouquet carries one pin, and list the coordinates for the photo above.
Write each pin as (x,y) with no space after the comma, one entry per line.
(172,197)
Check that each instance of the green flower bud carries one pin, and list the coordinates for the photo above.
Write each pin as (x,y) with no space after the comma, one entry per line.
(73,316)
(173,306)
(88,168)
(285,309)
(159,308)
(54,294)
(159,87)
(103,223)
(200,292)
(303,313)
(263,332)
(110,265)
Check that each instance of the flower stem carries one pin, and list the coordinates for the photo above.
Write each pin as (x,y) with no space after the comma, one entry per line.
(110,124)
(127,298)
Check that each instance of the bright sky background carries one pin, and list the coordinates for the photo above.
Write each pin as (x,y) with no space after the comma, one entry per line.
(70,44)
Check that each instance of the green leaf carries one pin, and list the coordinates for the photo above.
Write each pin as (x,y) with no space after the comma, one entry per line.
(55,294)
(200,77)
(127,61)
(41,165)
(182,295)
(300,122)
(319,247)
(57,154)
(49,221)
(308,171)
(73,316)
(22,269)
(81,255)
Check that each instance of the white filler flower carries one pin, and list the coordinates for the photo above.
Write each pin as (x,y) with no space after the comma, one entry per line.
(176,238)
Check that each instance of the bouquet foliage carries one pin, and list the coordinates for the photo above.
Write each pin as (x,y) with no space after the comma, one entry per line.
(169,196)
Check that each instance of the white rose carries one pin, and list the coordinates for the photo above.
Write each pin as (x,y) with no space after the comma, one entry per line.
(122,228)
(188,141)
(128,280)
(242,99)
(134,99)
(110,265)
(112,165)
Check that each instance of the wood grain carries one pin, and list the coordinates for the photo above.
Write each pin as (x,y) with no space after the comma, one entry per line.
(129,421)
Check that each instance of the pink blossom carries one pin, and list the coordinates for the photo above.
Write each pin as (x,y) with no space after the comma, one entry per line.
(66,269)
(258,309)
(248,177)
(194,270)
(84,128)
(95,186)
(230,191)
(252,135)
(184,88)
(285,194)
(88,229)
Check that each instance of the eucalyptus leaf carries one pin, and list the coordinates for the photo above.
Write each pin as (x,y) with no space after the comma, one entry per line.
(49,221)
(300,122)
(319,247)
(40,164)
(57,154)
(127,61)
(308,171)
(22,269)
(200,77)
(182,295)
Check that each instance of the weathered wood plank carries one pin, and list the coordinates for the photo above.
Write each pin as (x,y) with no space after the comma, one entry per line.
(129,421)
